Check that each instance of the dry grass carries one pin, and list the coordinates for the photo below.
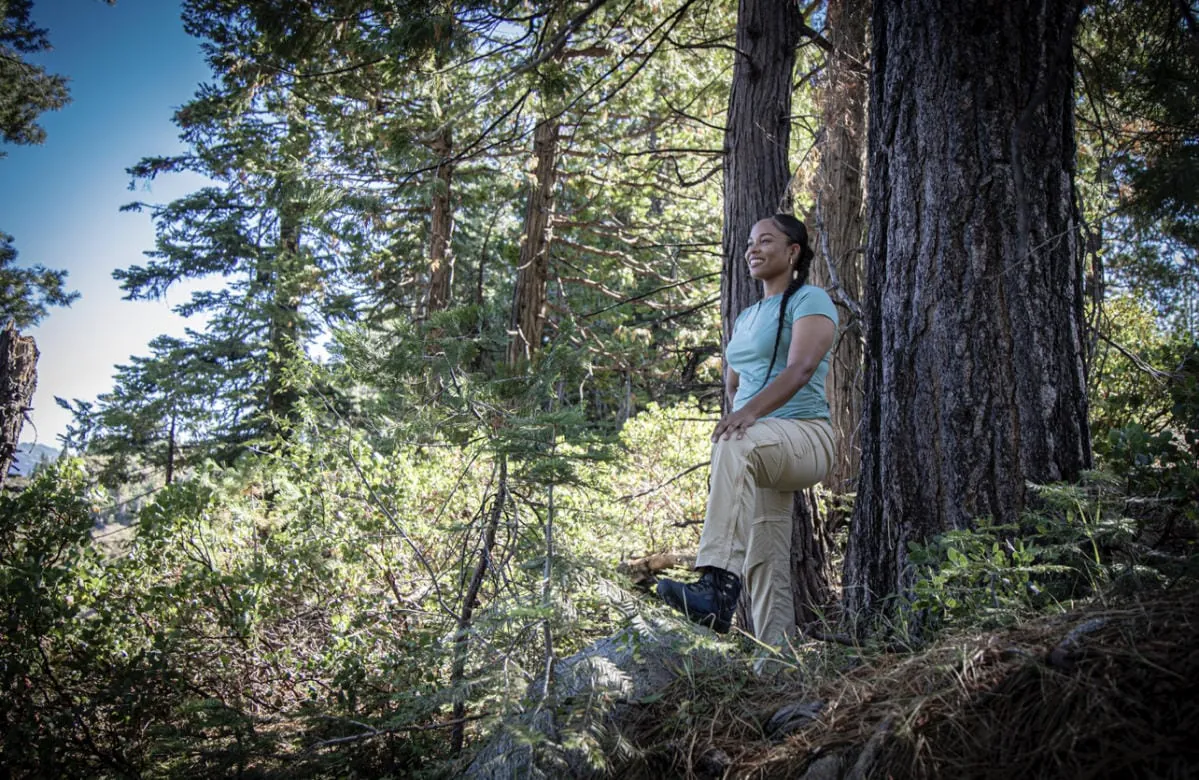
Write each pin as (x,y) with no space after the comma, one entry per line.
(1107,691)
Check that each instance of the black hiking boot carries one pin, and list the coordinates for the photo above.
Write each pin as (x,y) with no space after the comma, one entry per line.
(709,602)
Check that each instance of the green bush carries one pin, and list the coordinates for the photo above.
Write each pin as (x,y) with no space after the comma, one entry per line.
(994,574)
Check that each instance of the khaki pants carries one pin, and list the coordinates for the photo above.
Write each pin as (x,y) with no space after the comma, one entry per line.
(748,526)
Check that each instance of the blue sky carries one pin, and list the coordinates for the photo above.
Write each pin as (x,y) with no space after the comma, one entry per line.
(130,66)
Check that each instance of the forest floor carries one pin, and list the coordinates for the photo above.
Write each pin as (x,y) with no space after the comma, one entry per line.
(1109,690)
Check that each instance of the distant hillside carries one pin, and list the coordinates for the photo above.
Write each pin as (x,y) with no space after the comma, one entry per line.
(29,456)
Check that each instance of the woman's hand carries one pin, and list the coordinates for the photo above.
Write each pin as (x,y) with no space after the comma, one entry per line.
(736,422)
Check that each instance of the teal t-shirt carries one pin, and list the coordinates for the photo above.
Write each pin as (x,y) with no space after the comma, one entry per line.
(748,351)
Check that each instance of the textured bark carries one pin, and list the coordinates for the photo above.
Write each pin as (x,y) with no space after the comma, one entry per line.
(756,138)
(528,300)
(839,223)
(975,374)
(18,380)
(441,229)
(811,567)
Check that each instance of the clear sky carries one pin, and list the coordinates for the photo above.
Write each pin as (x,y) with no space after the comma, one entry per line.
(130,66)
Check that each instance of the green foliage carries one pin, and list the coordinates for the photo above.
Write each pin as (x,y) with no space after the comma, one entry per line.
(25,293)
(1161,461)
(253,611)
(1129,380)
(1143,56)
(74,690)
(28,89)
(994,574)
(1138,149)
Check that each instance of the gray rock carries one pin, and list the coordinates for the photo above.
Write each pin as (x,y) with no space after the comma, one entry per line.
(573,732)
(792,717)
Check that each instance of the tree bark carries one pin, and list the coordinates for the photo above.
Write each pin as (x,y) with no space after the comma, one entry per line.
(441,229)
(170,477)
(528,299)
(18,380)
(756,140)
(975,373)
(839,223)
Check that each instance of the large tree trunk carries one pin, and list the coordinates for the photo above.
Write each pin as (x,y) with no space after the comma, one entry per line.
(18,380)
(839,223)
(441,256)
(756,177)
(528,299)
(974,354)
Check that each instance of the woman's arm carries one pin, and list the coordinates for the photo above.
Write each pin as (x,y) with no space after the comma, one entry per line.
(732,381)
(811,338)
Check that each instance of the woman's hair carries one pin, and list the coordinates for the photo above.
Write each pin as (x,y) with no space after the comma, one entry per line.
(796,233)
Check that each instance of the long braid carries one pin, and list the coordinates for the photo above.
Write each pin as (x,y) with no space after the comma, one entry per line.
(797,234)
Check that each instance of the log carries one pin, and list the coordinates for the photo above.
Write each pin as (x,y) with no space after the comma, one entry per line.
(18,380)
(644,571)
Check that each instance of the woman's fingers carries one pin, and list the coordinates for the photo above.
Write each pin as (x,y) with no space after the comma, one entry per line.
(736,422)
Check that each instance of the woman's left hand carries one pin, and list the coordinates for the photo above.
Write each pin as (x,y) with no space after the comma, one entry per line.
(735,422)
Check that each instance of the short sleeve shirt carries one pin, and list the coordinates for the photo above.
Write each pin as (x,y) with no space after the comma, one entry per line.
(749,350)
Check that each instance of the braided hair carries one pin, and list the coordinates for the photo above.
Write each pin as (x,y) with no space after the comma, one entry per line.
(796,233)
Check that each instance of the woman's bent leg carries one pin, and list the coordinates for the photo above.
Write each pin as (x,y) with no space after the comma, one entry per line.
(776,453)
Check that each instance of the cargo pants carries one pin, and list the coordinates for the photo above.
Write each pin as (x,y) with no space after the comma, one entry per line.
(747,529)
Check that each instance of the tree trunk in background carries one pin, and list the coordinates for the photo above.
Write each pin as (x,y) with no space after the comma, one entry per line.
(284,336)
(18,380)
(839,223)
(470,600)
(528,299)
(170,477)
(756,138)
(756,177)
(975,375)
(441,255)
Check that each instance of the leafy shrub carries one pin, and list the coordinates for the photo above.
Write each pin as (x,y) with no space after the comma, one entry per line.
(1163,462)
(993,574)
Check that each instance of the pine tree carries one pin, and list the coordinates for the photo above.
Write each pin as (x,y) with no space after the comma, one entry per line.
(26,90)
(25,293)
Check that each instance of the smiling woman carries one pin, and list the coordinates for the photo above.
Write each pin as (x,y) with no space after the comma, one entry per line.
(127,67)
(776,440)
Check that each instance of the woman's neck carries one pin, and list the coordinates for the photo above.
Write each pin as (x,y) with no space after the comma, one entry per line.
(774,287)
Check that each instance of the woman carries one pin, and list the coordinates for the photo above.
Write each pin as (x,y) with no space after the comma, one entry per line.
(776,440)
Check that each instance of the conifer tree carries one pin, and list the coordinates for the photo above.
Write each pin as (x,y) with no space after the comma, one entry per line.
(25,293)
(1138,141)
(26,91)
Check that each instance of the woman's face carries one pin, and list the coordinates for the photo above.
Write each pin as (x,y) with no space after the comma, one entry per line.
(769,253)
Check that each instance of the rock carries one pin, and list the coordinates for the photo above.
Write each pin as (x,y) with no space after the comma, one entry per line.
(827,767)
(713,763)
(792,717)
(573,732)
